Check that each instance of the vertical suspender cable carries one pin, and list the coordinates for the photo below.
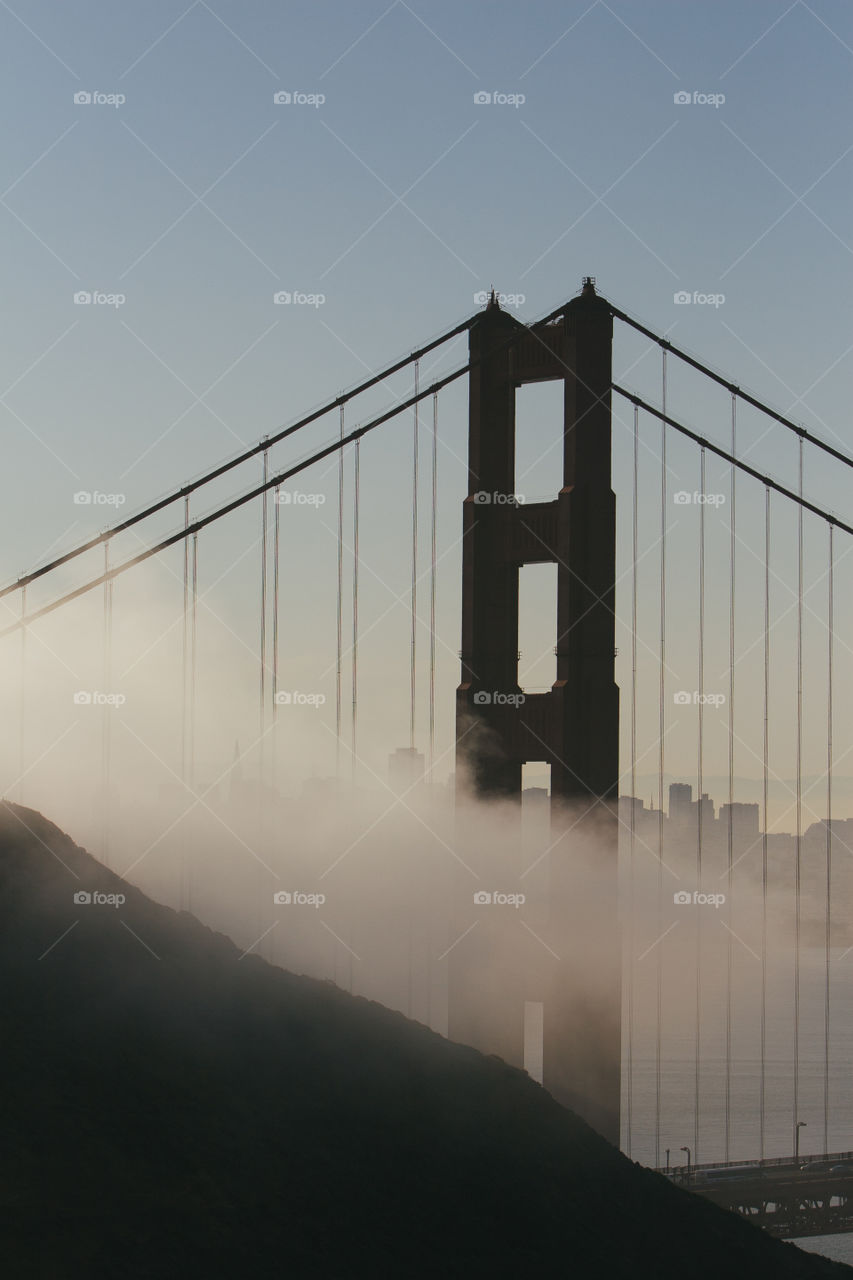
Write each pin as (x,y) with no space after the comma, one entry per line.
(629,1096)
(432,581)
(183,870)
(275,592)
(414,561)
(263,638)
(355,506)
(798,867)
(762,1088)
(828,921)
(730,832)
(701,806)
(185,645)
(105,718)
(193,656)
(22,705)
(339,615)
(661,733)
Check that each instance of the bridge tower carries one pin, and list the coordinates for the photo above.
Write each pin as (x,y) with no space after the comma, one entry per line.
(574,727)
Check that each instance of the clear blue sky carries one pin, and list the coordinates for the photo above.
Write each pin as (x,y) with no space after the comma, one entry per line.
(397,198)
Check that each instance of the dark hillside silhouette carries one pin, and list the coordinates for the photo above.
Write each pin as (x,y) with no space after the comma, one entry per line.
(191,1113)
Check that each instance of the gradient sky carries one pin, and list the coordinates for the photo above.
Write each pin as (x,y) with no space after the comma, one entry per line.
(398,198)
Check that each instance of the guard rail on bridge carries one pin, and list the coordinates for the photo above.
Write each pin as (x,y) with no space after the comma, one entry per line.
(785,1197)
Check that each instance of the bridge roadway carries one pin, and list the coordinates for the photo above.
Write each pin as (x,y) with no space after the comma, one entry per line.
(786,1198)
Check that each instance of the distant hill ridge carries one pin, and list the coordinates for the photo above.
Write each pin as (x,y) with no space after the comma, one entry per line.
(170,1109)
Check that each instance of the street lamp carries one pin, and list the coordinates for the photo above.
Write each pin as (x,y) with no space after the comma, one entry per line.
(687,1149)
(801,1124)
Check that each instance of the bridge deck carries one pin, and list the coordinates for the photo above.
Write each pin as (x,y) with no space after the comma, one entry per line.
(784,1197)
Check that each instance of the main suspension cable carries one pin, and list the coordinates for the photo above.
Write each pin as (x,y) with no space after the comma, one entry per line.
(666,345)
(236,503)
(266,443)
(767,481)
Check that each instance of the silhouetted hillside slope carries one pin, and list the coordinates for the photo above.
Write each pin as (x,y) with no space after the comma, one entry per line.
(172,1110)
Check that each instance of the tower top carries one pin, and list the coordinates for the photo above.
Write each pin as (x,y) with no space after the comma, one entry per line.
(588,287)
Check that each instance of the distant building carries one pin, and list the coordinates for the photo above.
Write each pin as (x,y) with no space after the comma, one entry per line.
(405,768)
(680,801)
(704,808)
(744,821)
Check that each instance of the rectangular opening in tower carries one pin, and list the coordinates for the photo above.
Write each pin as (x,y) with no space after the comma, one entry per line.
(537,626)
(539,440)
